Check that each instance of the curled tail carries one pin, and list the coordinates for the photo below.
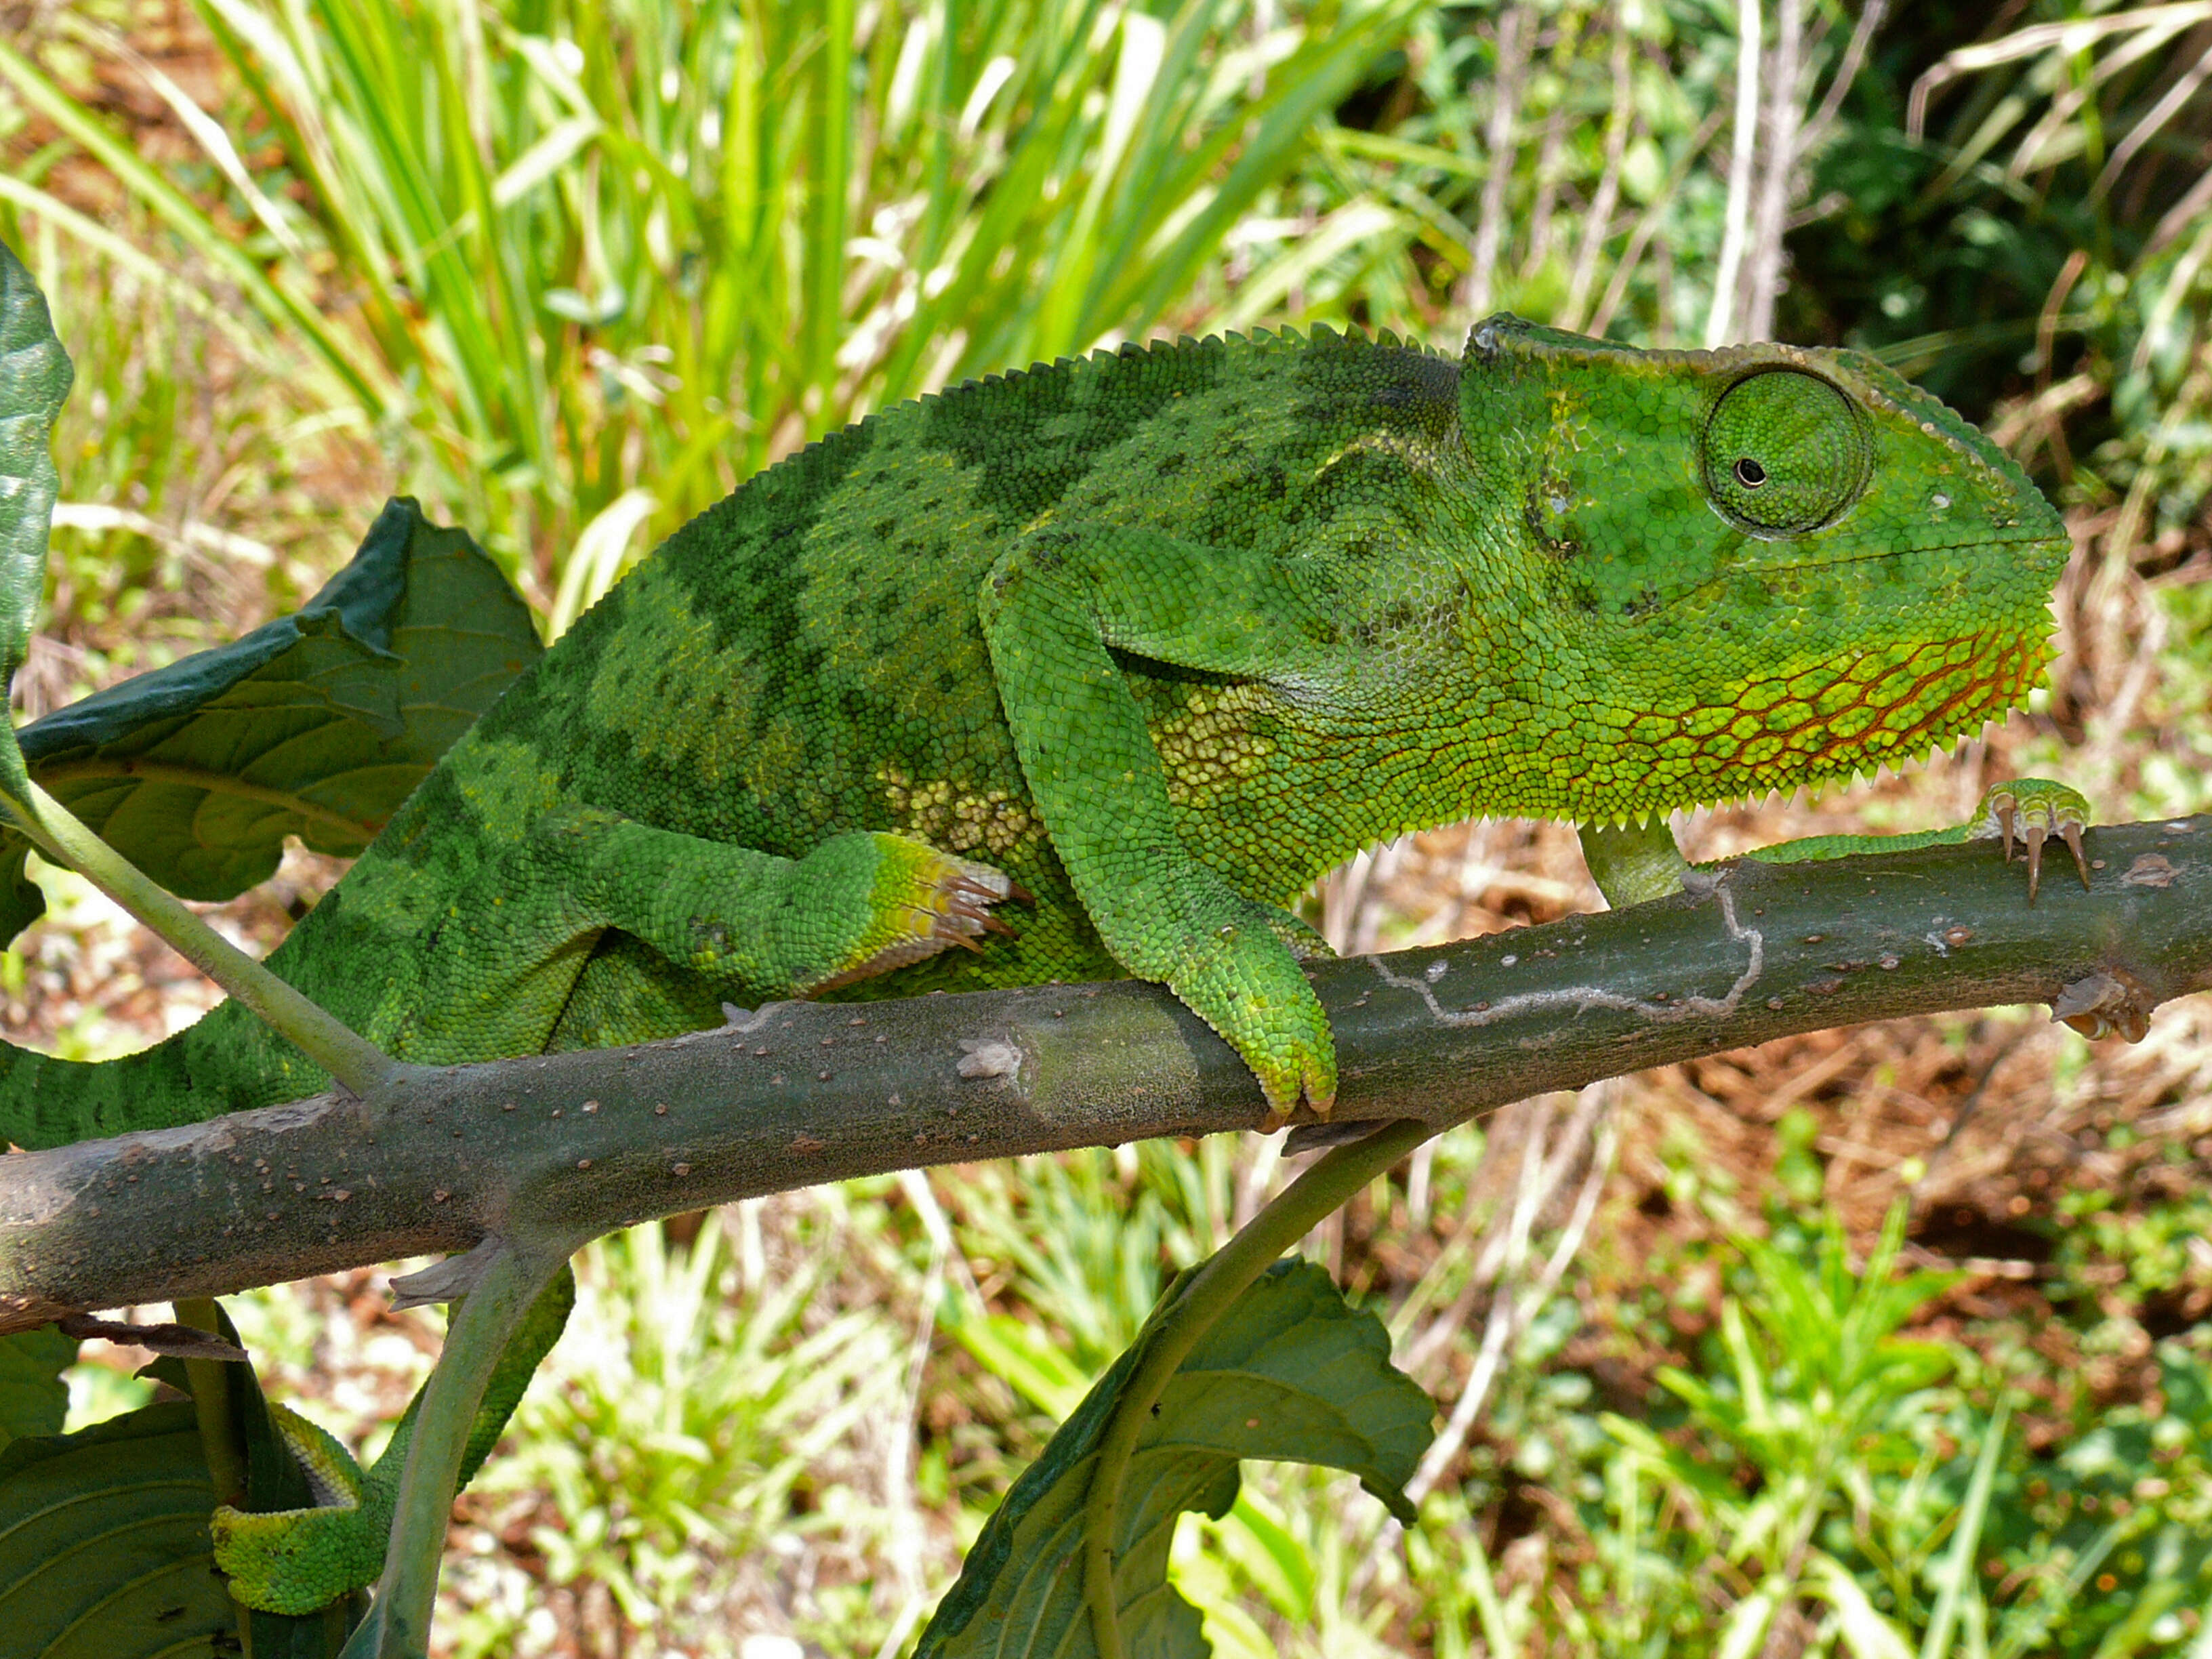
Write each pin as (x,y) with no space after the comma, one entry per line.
(226,1063)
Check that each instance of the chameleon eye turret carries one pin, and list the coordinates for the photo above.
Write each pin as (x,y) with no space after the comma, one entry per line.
(1784,453)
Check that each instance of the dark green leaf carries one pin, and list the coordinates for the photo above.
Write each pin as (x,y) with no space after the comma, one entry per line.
(1292,1372)
(33,1398)
(104,1543)
(34,379)
(316,724)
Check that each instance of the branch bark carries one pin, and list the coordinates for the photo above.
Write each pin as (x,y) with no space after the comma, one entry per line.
(799,1093)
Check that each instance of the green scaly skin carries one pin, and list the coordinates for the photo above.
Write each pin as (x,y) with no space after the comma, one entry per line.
(1145,642)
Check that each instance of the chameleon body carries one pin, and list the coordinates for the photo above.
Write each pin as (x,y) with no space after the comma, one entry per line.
(1158,636)
(1122,652)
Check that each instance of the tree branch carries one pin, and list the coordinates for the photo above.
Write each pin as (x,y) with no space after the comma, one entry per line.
(800,1093)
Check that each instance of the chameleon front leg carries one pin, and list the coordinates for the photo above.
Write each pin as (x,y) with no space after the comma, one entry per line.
(2032,810)
(1640,861)
(1633,863)
(1055,607)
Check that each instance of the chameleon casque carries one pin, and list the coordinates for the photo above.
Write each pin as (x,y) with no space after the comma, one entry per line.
(1090,670)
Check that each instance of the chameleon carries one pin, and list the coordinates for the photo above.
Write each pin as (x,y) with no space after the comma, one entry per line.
(1089,670)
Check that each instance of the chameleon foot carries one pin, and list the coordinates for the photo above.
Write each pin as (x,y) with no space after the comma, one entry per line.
(2034,809)
(920,902)
(1243,979)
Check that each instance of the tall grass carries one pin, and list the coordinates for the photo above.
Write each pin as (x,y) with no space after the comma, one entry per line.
(596,263)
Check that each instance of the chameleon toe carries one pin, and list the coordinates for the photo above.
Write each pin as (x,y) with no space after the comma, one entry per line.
(2032,810)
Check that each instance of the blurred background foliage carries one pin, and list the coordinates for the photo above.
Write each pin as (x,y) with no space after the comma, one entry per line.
(1890,1342)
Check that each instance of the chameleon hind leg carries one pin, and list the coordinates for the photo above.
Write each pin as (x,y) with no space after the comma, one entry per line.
(856,905)
(512,966)
(640,927)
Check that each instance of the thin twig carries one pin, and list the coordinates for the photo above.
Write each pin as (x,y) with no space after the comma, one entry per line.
(1511,1313)
(1870,17)
(1778,179)
(1506,87)
(1598,221)
(1742,151)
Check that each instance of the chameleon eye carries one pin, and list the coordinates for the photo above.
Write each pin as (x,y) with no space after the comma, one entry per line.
(1784,453)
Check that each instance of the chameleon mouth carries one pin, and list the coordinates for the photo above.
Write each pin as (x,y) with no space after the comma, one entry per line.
(2059,547)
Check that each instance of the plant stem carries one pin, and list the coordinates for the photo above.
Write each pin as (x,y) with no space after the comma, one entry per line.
(210,1380)
(353,1060)
(483,1321)
(1189,1311)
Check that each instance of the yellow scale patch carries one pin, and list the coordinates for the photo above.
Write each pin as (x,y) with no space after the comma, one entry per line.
(1207,747)
(956,819)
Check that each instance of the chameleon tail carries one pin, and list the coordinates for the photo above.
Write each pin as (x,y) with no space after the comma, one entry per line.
(297,1560)
(226,1063)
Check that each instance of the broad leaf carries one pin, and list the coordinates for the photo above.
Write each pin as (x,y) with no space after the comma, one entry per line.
(1292,1372)
(34,379)
(316,724)
(104,1545)
(33,1398)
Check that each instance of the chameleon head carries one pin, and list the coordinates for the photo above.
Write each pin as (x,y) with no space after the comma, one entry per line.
(1746,569)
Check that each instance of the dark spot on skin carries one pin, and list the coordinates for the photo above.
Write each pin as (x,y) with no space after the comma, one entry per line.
(1171,465)
(881,530)
(1395,620)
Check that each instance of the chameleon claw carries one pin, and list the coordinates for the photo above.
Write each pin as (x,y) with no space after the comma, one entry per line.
(2072,833)
(2033,811)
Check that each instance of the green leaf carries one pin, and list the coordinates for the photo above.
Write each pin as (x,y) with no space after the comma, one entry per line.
(316,724)
(104,1545)
(34,1397)
(1291,1372)
(34,379)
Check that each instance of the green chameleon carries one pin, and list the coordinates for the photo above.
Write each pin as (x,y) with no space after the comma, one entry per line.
(1090,670)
